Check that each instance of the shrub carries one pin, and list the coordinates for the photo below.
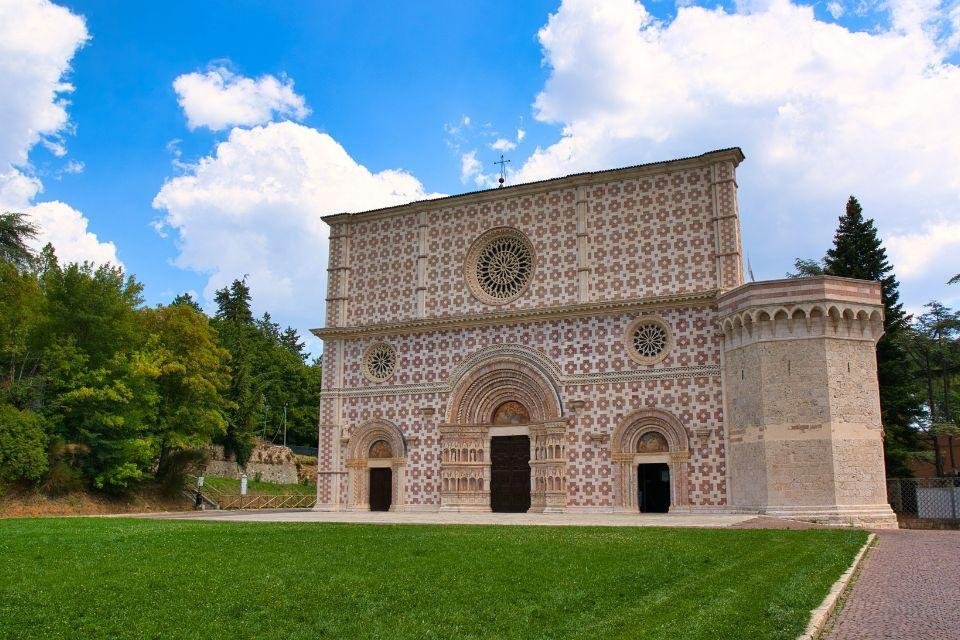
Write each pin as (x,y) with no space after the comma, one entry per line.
(23,445)
(173,469)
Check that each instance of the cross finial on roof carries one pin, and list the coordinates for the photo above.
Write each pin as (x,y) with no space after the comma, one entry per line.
(503,174)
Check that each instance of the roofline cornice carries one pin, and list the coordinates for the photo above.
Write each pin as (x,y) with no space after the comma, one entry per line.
(700,299)
(733,154)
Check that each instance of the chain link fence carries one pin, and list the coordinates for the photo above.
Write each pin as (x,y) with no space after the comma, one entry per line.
(935,501)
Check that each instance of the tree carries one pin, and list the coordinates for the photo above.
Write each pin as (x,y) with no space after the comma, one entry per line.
(806,268)
(15,231)
(290,340)
(21,309)
(857,252)
(187,300)
(100,395)
(935,347)
(193,378)
(233,303)
(23,445)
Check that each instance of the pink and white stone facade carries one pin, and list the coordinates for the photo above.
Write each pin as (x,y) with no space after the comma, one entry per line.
(658,241)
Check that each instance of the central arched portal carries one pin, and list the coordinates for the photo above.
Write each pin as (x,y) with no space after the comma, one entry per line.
(502,447)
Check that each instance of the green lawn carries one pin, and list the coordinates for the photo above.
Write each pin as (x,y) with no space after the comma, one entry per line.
(124,578)
(232,486)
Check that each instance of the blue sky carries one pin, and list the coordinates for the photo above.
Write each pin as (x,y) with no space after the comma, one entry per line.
(388,102)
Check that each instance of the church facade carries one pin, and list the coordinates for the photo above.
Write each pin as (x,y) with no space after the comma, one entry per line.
(587,343)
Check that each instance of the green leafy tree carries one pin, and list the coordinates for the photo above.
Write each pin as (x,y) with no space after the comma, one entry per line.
(193,378)
(101,395)
(15,232)
(857,252)
(21,308)
(23,445)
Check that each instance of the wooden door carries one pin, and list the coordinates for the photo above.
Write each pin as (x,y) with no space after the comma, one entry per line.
(510,474)
(381,488)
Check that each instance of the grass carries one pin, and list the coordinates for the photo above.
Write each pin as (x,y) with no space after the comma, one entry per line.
(232,486)
(121,578)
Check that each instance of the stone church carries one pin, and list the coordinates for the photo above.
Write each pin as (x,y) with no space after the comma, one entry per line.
(588,344)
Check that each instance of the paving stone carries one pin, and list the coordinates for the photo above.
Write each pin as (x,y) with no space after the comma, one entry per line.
(908,587)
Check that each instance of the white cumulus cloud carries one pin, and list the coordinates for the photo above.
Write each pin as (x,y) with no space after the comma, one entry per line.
(821,111)
(502,144)
(219,99)
(38,40)
(937,242)
(254,207)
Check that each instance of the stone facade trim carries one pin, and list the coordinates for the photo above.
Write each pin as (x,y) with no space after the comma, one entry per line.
(639,305)
(733,155)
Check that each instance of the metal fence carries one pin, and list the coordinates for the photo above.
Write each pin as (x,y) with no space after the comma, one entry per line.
(925,498)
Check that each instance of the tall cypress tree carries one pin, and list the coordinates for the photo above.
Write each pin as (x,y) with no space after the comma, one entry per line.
(237,333)
(857,252)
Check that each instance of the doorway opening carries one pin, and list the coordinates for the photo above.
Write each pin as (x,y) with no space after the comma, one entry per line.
(510,474)
(381,488)
(653,487)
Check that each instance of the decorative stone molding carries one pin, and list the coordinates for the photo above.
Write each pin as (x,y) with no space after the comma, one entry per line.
(548,490)
(500,375)
(359,461)
(733,156)
(823,307)
(464,468)
(648,340)
(535,360)
(625,453)
(706,298)
(499,266)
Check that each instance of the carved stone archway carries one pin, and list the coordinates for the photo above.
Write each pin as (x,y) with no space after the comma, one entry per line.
(503,376)
(377,443)
(633,444)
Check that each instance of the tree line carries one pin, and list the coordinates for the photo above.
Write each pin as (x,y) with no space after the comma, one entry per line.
(99,390)
(918,357)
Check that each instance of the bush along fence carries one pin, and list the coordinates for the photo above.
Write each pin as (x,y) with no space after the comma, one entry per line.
(925,501)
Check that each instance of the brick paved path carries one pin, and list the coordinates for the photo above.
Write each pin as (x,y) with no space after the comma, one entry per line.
(909,587)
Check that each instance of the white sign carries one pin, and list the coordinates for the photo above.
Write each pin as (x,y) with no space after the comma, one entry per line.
(243,485)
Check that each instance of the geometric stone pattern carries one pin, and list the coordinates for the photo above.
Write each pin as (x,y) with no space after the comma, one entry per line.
(611,251)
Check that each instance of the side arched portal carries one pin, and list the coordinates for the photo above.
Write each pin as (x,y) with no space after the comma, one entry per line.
(650,436)
(377,444)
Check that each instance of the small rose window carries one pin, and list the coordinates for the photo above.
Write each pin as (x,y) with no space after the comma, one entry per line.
(648,339)
(379,362)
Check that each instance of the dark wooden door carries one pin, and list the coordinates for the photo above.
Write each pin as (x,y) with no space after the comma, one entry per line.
(510,473)
(381,488)
(653,482)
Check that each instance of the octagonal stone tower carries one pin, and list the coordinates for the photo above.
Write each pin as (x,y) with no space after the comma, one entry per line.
(800,382)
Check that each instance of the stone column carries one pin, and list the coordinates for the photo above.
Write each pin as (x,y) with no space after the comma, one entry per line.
(800,370)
